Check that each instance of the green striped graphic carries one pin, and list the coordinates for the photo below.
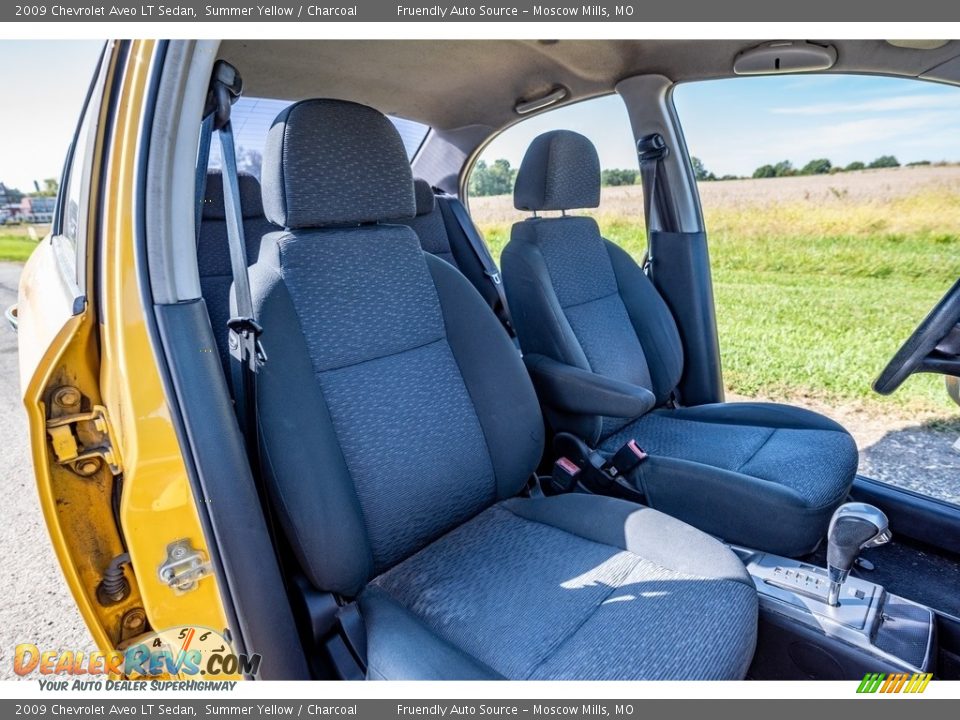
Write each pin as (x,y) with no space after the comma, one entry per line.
(871,682)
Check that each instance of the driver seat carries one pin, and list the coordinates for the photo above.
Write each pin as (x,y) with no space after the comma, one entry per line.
(606,357)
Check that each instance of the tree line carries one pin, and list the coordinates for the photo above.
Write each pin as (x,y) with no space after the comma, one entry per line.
(498,177)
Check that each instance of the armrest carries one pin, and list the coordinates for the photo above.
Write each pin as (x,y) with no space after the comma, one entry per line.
(581,392)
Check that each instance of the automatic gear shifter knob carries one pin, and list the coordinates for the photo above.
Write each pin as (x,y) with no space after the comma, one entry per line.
(854,526)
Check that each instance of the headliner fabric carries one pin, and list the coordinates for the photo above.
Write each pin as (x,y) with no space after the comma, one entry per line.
(251,205)
(330,162)
(560,171)
(532,601)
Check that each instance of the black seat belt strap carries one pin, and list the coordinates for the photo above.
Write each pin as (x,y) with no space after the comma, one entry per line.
(203,159)
(480,249)
(246,352)
(658,208)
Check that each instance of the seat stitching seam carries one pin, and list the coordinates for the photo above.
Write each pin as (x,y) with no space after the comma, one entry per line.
(637,555)
(561,642)
(381,357)
(591,300)
(760,447)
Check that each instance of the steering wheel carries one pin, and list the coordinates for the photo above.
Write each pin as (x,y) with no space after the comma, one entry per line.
(933,347)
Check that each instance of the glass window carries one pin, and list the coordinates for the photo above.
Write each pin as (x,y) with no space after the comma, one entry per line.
(605,122)
(73,195)
(833,208)
(252,118)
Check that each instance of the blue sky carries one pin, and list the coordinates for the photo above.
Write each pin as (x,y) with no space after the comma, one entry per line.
(732,125)
(44,85)
(736,125)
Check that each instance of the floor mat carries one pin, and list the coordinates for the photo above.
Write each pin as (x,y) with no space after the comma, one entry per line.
(911,570)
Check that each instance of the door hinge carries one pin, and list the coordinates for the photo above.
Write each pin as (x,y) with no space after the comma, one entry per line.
(184,566)
(81,441)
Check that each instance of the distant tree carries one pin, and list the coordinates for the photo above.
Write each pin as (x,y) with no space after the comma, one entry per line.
(729,177)
(855,165)
(49,188)
(700,171)
(820,166)
(495,179)
(614,177)
(765,171)
(884,161)
(919,163)
(784,168)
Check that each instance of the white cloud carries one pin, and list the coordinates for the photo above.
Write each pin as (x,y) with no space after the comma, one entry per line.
(885,104)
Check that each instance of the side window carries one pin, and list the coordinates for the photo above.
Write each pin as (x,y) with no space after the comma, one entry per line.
(832,205)
(70,220)
(252,117)
(605,122)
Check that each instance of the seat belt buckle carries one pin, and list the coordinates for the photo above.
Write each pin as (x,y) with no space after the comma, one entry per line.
(494,276)
(625,460)
(565,474)
(245,342)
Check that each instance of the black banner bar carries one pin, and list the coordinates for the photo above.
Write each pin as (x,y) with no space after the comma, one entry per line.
(472,11)
(150,706)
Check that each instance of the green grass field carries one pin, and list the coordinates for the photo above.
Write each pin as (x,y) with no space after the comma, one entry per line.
(16,243)
(813,295)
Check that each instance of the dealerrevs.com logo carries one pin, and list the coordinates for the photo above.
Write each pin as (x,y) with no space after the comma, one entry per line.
(894,683)
(181,652)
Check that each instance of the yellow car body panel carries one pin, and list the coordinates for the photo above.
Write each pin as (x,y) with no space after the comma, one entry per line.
(112,362)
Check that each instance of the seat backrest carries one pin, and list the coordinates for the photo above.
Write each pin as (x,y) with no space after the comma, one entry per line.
(392,407)
(441,235)
(428,223)
(213,250)
(576,297)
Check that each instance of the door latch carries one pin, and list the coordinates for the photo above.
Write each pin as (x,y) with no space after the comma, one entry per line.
(82,441)
(184,567)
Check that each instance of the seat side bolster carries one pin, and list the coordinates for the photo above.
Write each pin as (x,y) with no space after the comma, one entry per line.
(542,326)
(769,415)
(498,384)
(574,390)
(652,321)
(656,537)
(306,471)
(400,647)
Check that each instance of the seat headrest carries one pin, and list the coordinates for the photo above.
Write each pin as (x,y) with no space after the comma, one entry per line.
(560,171)
(426,200)
(250,203)
(332,162)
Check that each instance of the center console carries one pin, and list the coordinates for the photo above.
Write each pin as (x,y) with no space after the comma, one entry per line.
(803,635)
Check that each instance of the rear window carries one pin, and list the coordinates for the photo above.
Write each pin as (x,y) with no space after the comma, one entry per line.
(252,118)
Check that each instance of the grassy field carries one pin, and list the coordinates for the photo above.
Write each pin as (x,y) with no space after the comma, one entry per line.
(817,279)
(16,242)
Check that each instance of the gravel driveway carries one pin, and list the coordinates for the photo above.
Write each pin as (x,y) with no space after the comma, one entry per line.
(37,606)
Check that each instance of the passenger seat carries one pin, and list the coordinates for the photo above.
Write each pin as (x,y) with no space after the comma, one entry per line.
(606,355)
(213,250)
(398,428)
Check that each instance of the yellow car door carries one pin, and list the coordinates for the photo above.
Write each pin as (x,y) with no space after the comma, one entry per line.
(110,474)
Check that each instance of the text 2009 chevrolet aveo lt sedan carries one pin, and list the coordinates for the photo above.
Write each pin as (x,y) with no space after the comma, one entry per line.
(301,415)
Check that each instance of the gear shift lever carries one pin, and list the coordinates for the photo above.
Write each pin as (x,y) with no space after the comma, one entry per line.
(854,526)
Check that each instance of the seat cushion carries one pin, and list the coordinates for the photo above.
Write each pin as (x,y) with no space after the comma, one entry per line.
(760,474)
(569,587)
